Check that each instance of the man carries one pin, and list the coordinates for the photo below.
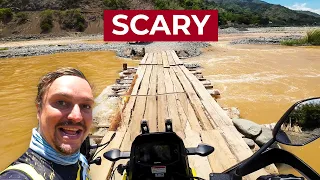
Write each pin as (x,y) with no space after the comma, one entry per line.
(64,111)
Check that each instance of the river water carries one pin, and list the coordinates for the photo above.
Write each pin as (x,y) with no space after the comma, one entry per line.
(263,81)
(18,81)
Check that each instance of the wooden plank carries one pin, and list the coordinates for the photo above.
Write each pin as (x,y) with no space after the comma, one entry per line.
(161,83)
(174,115)
(162,100)
(167,81)
(200,164)
(154,59)
(165,59)
(239,148)
(103,171)
(159,58)
(141,71)
(151,113)
(222,158)
(145,81)
(149,59)
(144,59)
(220,118)
(176,58)
(125,146)
(170,59)
(153,81)
(151,107)
(176,83)
(162,112)
(137,115)
(194,99)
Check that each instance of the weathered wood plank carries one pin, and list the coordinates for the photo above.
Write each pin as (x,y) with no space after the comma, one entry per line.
(151,113)
(201,164)
(174,115)
(176,58)
(145,81)
(176,83)
(159,58)
(222,158)
(140,73)
(162,112)
(103,171)
(144,59)
(154,59)
(161,84)
(126,114)
(165,59)
(195,101)
(137,116)
(149,59)
(238,147)
(153,81)
(170,59)
(220,118)
(167,81)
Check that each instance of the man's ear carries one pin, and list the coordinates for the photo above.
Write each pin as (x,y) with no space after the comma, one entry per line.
(38,111)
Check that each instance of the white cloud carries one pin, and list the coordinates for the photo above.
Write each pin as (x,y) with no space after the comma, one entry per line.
(303,7)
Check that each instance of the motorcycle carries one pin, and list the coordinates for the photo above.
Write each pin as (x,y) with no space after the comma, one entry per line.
(152,156)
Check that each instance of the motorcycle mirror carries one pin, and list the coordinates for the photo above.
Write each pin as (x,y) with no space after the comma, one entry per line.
(115,155)
(300,125)
(201,150)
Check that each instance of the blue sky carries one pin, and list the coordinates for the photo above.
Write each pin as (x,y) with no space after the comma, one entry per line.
(308,5)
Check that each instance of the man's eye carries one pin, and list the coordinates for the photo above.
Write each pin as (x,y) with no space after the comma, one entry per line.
(86,106)
(62,103)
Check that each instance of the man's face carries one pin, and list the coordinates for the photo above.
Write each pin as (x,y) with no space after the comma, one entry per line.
(66,115)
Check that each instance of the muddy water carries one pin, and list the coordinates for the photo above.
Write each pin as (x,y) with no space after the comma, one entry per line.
(263,81)
(18,80)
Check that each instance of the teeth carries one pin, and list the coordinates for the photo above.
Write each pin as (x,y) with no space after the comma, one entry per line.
(70,129)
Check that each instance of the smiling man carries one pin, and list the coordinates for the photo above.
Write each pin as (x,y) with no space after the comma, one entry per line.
(64,111)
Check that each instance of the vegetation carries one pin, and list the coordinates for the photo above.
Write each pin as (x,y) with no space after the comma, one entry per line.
(306,116)
(3,49)
(5,14)
(22,17)
(116,4)
(46,21)
(72,19)
(312,38)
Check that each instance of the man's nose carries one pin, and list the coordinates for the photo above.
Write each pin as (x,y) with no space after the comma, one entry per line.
(75,114)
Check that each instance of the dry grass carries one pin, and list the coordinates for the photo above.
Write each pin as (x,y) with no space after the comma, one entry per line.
(116,119)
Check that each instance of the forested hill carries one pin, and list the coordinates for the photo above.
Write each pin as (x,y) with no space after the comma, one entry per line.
(59,16)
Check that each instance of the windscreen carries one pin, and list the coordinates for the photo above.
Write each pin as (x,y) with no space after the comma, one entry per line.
(157,153)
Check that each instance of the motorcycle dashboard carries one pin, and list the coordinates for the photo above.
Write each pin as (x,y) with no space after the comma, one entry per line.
(157,153)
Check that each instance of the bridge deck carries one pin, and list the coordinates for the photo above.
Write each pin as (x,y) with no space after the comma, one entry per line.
(165,88)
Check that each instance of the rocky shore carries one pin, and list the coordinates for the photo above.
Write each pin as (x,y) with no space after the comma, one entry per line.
(266,40)
(126,50)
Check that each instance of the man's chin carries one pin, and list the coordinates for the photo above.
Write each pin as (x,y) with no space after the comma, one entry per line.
(67,149)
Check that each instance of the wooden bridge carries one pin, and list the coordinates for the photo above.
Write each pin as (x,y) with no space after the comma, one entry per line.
(165,88)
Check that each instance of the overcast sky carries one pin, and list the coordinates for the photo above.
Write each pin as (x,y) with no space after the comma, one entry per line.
(306,5)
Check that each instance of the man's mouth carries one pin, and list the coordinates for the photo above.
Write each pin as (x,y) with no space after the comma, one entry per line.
(70,132)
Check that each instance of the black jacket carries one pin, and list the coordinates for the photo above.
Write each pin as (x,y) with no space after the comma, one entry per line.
(49,170)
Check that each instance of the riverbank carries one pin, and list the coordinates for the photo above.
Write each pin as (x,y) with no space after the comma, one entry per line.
(35,45)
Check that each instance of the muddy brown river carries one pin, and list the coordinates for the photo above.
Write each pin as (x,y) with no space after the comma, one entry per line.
(18,81)
(263,81)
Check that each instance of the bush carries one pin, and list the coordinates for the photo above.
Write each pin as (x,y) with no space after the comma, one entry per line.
(116,4)
(294,42)
(313,37)
(22,17)
(5,14)
(72,19)
(46,21)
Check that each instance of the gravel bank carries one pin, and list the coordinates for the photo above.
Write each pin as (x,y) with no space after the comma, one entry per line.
(191,49)
(265,40)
